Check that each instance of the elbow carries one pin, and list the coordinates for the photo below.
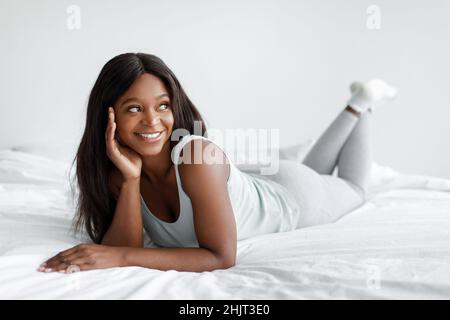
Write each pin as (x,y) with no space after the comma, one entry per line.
(228,256)
(228,265)
(226,261)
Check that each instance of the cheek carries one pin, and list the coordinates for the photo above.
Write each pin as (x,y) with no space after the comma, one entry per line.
(124,129)
(169,122)
(124,126)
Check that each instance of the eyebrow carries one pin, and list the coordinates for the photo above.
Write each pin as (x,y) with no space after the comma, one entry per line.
(136,99)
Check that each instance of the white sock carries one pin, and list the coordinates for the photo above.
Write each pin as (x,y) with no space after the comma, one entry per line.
(366,95)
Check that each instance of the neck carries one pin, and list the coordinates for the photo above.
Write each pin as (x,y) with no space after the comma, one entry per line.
(156,167)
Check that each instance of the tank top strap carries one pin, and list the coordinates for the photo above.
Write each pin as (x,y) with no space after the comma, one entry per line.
(176,151)
(175,155)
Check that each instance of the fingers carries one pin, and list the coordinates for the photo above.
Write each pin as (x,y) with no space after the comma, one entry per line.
(54,260)
(111,147)
(111,127)
(73,268)
(60,258)
(75,259)
(114,147)
(63,262)
(70,264)
(77,268)
(67,264)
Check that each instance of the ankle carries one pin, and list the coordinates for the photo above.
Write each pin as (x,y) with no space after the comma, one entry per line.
(353,111)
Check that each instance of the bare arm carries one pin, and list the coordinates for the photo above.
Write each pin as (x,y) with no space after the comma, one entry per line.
(180,259)
(126,227)
(124,183)
(215,226)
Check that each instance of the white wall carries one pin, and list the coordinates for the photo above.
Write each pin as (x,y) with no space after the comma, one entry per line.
(245,64)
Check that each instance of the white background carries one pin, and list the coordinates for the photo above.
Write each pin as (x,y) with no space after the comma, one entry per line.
(244,64)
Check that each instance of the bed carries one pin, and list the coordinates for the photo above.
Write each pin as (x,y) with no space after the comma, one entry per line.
(395,246)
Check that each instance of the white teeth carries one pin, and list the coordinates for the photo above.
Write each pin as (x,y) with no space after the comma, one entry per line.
(151,135)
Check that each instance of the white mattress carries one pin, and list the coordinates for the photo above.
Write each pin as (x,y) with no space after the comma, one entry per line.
(395,246)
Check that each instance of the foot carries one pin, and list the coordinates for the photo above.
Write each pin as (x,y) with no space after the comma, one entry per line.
(367,95)
(355,86)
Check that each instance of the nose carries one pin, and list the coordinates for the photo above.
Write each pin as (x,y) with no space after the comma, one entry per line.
(151,118)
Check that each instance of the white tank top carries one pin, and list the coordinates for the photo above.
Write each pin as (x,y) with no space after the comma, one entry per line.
(259,204)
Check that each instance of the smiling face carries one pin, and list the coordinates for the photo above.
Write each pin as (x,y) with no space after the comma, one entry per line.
(144,116)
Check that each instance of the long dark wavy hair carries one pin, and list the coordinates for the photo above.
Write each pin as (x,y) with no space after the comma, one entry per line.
(95,203)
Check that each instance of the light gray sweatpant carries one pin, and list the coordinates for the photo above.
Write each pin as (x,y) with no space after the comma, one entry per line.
(321,196)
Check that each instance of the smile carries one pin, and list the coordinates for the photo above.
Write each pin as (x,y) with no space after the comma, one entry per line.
(150,137)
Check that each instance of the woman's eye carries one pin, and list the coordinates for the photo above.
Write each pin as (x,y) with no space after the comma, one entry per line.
(133,107)
(164,106)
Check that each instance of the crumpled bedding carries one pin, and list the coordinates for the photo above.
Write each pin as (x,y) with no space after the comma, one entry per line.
(395,246)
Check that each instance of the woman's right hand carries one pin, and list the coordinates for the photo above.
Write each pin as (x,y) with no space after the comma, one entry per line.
(128,161)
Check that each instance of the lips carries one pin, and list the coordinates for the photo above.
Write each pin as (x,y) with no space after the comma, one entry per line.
(149,132)
(150,137)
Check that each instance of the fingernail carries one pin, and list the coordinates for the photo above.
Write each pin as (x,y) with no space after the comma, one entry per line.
(48,269)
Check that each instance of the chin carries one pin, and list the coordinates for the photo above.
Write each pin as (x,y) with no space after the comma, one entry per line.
(149,153)
(149,149)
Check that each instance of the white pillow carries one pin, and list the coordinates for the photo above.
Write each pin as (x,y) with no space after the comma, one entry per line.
(60,150)
(18,167)
(35,184)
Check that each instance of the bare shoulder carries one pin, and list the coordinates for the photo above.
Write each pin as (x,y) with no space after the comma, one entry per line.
(203,159)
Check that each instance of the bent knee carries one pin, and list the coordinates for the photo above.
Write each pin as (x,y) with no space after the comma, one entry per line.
(360,190)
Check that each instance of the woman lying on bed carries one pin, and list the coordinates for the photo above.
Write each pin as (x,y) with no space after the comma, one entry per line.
(144,162)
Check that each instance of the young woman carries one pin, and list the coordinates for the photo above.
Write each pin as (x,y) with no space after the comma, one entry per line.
(132,175)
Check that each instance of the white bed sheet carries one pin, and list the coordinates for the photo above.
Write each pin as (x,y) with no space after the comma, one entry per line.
(395,246)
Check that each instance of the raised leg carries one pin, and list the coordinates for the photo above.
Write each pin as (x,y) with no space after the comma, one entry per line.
(323,156)
(355,159)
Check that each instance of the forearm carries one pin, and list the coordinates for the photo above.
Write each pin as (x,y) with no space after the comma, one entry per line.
(126,227)
(179,259)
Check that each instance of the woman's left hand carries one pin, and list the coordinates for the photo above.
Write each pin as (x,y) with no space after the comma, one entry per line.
(85,257)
